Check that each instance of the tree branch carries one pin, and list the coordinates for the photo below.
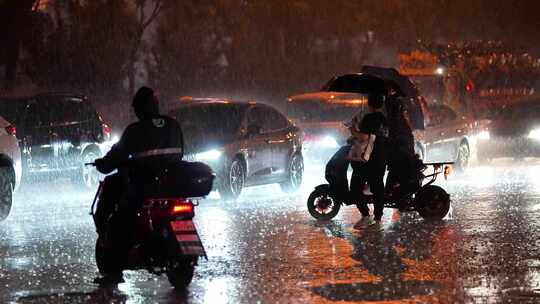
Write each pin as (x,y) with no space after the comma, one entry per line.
(36,5)
(158,5)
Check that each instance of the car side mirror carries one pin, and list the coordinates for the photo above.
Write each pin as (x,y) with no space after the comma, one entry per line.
(253,130)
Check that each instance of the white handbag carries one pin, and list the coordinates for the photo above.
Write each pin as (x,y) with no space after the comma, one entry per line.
(361,150)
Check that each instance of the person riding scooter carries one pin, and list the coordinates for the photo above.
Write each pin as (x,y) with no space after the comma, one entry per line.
(154,140)
(402,162)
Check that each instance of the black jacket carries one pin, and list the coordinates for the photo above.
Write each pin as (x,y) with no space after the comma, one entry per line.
(142,137)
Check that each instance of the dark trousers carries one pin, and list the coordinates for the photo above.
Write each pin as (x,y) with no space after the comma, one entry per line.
(402,166)
(109,198)
(371,172)
(114,222)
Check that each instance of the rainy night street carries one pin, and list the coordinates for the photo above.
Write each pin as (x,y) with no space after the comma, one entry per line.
(266,248)
(254,152)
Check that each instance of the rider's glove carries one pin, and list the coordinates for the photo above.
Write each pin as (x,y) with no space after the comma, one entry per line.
(101,166)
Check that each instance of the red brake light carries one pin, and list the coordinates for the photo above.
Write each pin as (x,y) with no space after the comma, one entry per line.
(181,206)
(11,130)
(469,87)
(106,131)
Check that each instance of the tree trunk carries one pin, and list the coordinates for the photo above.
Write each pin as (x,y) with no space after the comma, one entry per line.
(131,76)
(15,17)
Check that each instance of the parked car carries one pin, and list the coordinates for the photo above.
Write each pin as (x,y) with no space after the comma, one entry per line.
(450,137)
(245,143)
(58,133)
(513,131)
(10,166)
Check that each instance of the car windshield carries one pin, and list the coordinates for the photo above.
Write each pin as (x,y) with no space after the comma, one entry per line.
(53,110)
(209,124)
(323,112)
(12,109)
(432,87)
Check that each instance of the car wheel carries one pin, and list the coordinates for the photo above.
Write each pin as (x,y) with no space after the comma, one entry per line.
(463,157)
(233,181)
(87,177)
(6,192)
(295,174)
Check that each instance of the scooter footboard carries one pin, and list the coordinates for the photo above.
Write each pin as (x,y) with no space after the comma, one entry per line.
(187,237)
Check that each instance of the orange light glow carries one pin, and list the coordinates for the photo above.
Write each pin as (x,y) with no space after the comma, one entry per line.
(447,171)
(183,208)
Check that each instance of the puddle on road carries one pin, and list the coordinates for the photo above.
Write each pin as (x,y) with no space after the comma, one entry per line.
(383,291)
(410,260)
(98,296)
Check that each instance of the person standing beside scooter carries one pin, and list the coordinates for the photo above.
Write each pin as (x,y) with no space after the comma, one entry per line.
(374,125)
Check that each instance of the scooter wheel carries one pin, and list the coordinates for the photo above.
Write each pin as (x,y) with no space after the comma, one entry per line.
(180,273)
(433,202)
(322,206)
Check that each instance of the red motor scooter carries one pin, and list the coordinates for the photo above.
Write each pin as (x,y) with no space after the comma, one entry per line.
(165,238)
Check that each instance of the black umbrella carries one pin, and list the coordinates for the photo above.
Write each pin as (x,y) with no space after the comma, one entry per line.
(393,78)
(357,83)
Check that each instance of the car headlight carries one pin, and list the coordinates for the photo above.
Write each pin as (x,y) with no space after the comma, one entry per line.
(484,135)
(329,142)
(534,134)
(114,139)
(208,155)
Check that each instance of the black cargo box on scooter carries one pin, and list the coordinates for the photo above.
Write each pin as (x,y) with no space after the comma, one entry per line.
(178,179)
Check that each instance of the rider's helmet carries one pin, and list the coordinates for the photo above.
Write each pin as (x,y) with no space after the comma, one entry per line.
(145,104)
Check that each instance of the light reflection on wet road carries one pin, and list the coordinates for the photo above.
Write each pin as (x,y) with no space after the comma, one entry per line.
(266,248)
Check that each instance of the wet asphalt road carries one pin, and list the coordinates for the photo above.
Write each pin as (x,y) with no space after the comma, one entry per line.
(267,249)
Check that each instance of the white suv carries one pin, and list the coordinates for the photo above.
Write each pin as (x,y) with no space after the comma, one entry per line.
(10,166)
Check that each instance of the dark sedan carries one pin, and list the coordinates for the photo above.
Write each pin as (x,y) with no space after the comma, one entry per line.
(246,144)
(58,133)
(514,131)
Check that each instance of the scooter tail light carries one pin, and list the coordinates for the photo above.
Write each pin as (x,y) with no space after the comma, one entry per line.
(180,207)
(11,130)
